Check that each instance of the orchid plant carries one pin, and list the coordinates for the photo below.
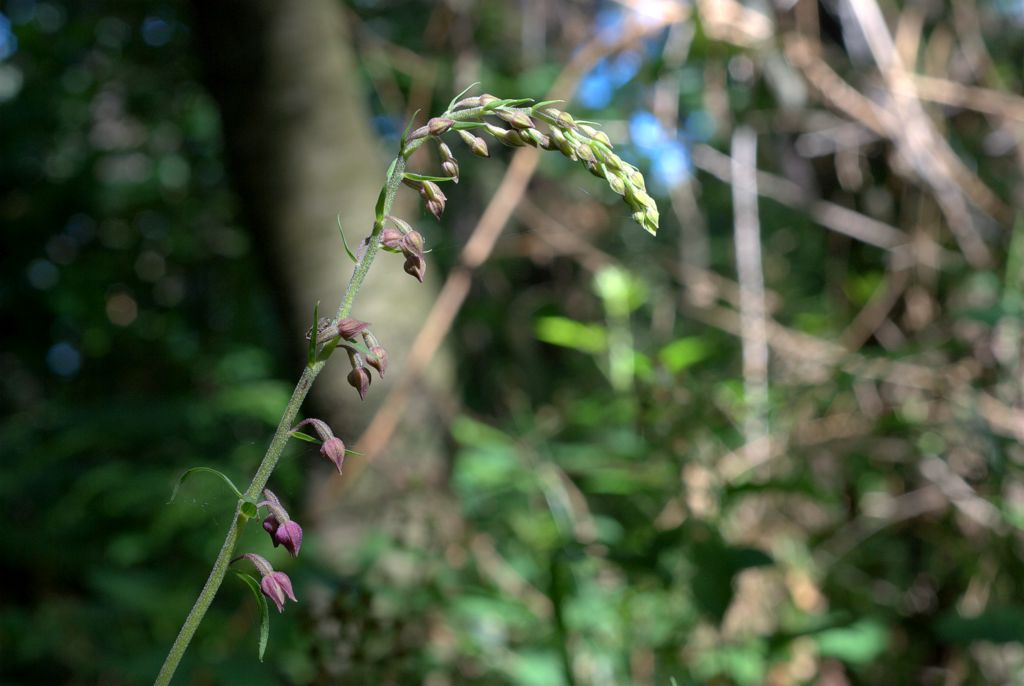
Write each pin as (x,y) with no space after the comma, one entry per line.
(512,122)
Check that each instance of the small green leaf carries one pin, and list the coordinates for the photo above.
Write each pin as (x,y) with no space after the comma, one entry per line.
(254,586)
(506,103)
(516,102)
(426,177)
(544,103)
(391,168)
(305,437)
(189,472)
(314,333)
(379,209)
(348,250)
(459,96)
(408,128)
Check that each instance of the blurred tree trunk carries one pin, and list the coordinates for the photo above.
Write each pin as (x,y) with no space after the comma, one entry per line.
(301,149)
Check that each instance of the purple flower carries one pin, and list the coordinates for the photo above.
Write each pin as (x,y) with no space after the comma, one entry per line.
(277,586)
(289,535)
(332,448)
(282,529)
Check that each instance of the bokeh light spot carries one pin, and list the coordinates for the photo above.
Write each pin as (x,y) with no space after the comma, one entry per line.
(64,359)
(42,274)
(122,309)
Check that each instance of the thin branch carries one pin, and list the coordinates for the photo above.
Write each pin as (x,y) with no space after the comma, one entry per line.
(747,231)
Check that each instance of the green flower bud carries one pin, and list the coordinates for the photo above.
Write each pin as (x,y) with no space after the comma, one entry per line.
(468,102)
(612,160)
(585,153)
(506,136)
(439,125)
(516,118)
(595,168)
(616,183)
(537,137)
(477,145)
(637,179)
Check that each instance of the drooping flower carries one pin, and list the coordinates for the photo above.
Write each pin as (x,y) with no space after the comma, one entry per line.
(332,447)
(275,585)
(283,529)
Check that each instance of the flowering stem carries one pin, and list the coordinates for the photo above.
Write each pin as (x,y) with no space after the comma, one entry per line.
(579,142)
(277,444)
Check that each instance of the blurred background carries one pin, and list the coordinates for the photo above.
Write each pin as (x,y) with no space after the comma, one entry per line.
(780,443)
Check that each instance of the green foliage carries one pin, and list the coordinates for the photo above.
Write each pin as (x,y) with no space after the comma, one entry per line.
(607,528)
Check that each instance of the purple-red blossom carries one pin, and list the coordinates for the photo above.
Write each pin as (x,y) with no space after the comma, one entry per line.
(415,266)
(359,378)
(275,585)
(334,450)
(349,327)
(283,529)
(332,447)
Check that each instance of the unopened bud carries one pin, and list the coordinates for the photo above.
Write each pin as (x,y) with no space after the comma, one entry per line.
(637,179)
(588,131)
(391,239)
(602,137)
(451,169)
(334,450)
(652,219)
(507,137)
(415,266)
(421,132)
(349,327)
(536,138)
(616,183)
(359,379)
(613,161)
(516,118)
(468,102)
(595,168)
(476,144)
(563,144)
(412,243)
(565,120)
(439,125)
(378,359)
(585,153)
(331,447)
(431,193)
(487,99)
